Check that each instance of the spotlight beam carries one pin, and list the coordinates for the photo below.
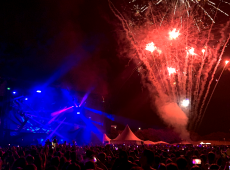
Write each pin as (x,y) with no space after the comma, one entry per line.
(55,129)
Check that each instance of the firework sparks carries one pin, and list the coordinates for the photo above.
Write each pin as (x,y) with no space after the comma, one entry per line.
(191,51)
(185,103)
(174,34)
(151,47)
(171,70)
(203,51)
(192,74)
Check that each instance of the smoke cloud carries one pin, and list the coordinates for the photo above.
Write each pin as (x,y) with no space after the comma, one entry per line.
(172,114)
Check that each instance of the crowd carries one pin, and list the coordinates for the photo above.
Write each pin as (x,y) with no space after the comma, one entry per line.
(114,157)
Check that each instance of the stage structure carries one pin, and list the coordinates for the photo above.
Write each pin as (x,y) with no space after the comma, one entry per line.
(34,115)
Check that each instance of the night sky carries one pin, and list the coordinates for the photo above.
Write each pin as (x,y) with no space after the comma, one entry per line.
(77,44)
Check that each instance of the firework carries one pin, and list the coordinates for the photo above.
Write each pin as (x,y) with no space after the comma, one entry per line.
(151,47)
(185,103)
(174,34)
(174,41)
(171,70)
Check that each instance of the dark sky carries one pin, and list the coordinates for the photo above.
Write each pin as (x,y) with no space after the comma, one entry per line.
(73,44)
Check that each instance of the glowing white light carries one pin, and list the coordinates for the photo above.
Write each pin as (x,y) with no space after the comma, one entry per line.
(226,62)
(174,34)
(202,143)
(191,51)
(203,51)
(185,103)
(171,70)
(150,47)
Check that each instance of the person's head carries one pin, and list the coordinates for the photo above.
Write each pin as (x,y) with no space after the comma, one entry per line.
(52,168)
(136,168)
(123,156)
(30,167)
(214,167)
(211,157)
(89,154)
(64,167)
(219,162)
(195,167)
(90,165)
(147,158)
(171,166)
(30,159)
(51,151)
(177,153)
(21,153)
(55,161)
(181,163)
(165,154)
(133,154)
(161,167)
(73,156)
(57,154)
(196,153)
(168,161)
(67,155)
(38,161)
(102,156)
(73,166)
(20,162)
(203,158)
(62,161)
(157,160)
(130,158)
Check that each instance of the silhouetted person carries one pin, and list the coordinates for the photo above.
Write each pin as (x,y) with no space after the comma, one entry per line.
(30,167)
(20,162)
(214,167)
(30,160)
(171,166)
(211,158)
(157,161)
(147,160)
(181,163)
(124,163)
(55,161)
(73,166)
(161,166)
(195,167)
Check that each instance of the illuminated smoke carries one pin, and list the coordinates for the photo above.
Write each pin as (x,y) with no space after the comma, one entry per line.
(172,114)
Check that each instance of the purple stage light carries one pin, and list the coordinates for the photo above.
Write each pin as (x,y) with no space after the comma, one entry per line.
(14,92)
(26,98)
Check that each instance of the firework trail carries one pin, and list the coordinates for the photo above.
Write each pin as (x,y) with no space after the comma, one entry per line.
(205,97)
(173,40)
